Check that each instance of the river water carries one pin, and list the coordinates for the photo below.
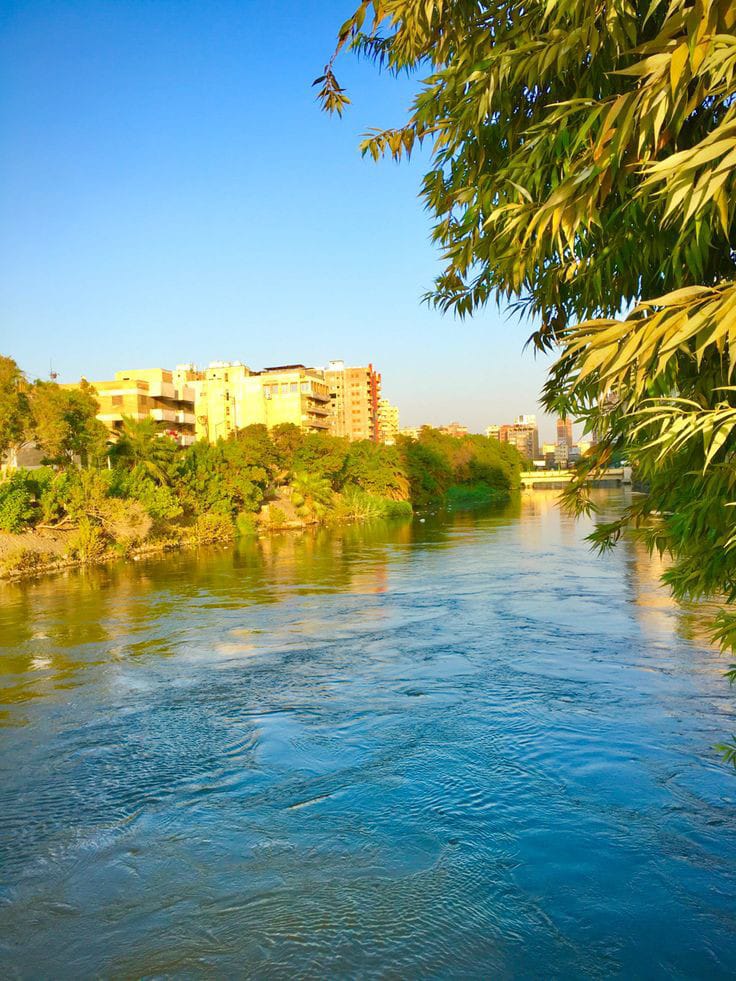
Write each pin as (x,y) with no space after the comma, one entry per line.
(458,747)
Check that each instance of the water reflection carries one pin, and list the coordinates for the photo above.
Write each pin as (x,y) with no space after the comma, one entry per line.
(463,746)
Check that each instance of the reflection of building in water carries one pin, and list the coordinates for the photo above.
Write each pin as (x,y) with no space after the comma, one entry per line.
(657,611)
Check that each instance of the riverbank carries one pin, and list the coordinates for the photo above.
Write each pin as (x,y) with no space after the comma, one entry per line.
(40,552)
(156,496)
(49,550)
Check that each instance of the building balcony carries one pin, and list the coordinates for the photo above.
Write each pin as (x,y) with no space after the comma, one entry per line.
(315,422)
(161,390)
(173,415)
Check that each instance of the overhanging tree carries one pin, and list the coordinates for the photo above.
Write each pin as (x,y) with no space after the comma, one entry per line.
(583,170)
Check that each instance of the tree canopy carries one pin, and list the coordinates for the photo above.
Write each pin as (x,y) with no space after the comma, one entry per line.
(14,411)
(583,170)
(64,422)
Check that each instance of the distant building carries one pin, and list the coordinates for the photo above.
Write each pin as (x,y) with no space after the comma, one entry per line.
(524,435)
(562,456)
(413,432)
(493,432)
(388,421)
(354,394)
(564,451)
(454,429)
(147,393)
(564,432)
(549,453)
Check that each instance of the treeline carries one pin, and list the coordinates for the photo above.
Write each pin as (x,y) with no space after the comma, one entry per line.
(143,489)
(61,422)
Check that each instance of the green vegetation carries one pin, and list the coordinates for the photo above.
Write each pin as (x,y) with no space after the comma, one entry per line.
(145,491)
(584,169)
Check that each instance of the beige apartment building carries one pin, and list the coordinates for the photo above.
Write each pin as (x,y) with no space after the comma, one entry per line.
(388,421)
(355,393)
(229,396)
(147,393)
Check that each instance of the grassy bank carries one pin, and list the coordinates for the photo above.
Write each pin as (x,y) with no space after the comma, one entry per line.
(149,495)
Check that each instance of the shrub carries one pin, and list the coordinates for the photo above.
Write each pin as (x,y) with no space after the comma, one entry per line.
(25,560)
(245,524)
(19,498)
(16,509)
(357,504)
(89,542)
(159,500)
(276,516)
(125,521)
(214,527)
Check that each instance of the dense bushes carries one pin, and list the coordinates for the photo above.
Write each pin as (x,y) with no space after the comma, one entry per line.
(153,491)
(21,497)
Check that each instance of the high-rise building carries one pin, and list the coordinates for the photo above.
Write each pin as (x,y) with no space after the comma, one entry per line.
(493,432)
(354,396)
(524,435)
(564,432)
(147,393)
(564,441)
(388,421)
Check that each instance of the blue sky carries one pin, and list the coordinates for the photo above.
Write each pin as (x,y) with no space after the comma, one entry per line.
(170,192)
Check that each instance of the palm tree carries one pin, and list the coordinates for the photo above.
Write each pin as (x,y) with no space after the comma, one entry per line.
(140,444)
(311,493)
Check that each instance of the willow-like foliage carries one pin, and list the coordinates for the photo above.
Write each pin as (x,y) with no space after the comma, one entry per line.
(583,170)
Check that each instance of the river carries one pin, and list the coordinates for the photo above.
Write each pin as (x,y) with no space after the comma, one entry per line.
(458,747)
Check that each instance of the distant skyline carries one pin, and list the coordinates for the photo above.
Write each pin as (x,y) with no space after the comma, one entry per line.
(170,192)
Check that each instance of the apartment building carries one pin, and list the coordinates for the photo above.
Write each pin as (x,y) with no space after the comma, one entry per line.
(293,393)
(355,393)
(388,421)
(454,429)
(230,396)
(219,397)
(523,434)
(147,393)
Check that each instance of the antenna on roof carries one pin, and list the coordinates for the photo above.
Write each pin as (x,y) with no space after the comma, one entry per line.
(53,375)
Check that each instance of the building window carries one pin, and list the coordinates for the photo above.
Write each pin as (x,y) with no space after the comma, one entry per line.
(117,400)
(305,387)
(293,387)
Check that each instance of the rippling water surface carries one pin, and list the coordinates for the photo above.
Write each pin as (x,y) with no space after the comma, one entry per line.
(459,747)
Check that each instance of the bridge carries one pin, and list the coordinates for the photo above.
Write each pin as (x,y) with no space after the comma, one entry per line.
(613,477)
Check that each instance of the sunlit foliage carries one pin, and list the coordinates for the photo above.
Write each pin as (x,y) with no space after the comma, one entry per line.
(583,169)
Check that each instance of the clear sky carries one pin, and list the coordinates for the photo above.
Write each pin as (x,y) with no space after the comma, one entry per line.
(171,192)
